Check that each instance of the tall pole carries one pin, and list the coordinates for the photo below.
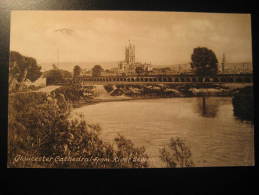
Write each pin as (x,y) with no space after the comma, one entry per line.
(223,63)
(58,57)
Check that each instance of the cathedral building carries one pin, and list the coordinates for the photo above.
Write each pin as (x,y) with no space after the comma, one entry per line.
(129,65)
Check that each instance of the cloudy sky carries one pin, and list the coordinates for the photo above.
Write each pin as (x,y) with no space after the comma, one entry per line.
(164,38)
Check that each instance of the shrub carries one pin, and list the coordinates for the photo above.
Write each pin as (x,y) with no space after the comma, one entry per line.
(108,88)
(74,93)
(176,154)
(129,155)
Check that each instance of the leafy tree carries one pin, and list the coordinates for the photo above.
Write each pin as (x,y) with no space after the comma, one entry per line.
(176,154)
(139,70)
(96,70)
(34,71)
(77,71)
(57,75)
(22,67)
(204,61)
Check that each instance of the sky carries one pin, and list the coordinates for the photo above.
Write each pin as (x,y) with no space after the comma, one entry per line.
(162,38)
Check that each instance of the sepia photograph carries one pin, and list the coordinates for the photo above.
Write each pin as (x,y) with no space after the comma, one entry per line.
(130,89)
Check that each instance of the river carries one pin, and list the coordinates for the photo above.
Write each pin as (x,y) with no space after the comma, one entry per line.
(214,135)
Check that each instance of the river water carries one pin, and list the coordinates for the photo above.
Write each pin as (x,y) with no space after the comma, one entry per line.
(214,135)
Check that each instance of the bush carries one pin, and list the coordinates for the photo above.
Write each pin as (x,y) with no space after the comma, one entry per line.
(74,93)
(108,88)
(176,154)
(243,104)
(129,155)
(55,76)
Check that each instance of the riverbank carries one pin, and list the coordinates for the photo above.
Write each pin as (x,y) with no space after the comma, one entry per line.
(97,101)
(87,95)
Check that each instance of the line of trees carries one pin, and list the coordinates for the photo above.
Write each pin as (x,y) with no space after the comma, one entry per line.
(96,71)
(203,63)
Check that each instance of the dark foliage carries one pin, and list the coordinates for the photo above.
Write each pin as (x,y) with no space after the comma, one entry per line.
(22,67)
(77,71)
(96,71)
(55,76)
(40,126)
(204,61)
(74,93)
(108,88)
(243,104)
(176,154)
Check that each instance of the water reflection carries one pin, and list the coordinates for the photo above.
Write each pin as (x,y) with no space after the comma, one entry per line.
(220,140)
(207,107)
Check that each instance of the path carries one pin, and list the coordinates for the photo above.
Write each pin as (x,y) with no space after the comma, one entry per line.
(48,89)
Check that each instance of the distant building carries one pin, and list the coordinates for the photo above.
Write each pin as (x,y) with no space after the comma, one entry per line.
(234,68)
(237,68)
(129,65)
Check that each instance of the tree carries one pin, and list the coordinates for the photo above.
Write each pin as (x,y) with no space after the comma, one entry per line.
(176,154)
(204,61)
(33,69)
(139,70)
(96,71)
(77,71)
(56,75)
(22,67)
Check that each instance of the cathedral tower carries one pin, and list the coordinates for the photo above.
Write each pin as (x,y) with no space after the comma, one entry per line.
(130,54)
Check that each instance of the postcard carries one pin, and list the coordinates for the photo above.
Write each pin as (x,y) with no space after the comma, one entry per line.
(130,89)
